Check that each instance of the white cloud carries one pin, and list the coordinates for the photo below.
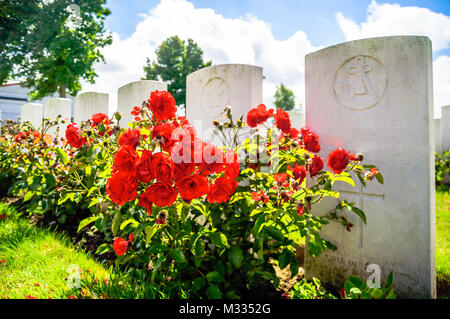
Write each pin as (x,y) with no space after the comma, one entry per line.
(246,40)
(441,83)
(393,19)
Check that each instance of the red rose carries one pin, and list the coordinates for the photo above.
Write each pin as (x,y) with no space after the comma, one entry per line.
(162,105)
(191,187)
(315,166)
(144,167)
(294,132)
(99,118)
(258,115)
(122,187)
(310,140)
(136,111)
(73,136)
(120,246)
(182,170)
(338,160)
(162,167)
(21,136)
(213,159)
(221,190)
(280,177)
(299,173)
(163,135)
(232,165)
(144,201)
(126,158)
(282,121)
(161,194)
(130,137)
(260,197)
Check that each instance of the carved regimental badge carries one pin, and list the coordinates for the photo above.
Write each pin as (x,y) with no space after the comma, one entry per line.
(360,83)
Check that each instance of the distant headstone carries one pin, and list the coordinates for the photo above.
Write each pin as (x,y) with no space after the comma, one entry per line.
(437,136)
(58,106)
(89,103)
(374,96)
(297,118)
(133,94)
(211,89)
(32,112)
(445,128)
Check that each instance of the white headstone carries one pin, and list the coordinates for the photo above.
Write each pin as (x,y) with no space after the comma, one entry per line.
(437,136)
(133,94)
(445,128)
(297,118)
(58,106)
(87,104)
(374,96)
(211,89)
(32,112)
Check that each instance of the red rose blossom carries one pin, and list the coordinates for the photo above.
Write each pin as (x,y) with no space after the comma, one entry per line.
(162,104)
(163,135)
(144,171)
(191,187)
(338,160)
(162,167)
(145,201)
(161,194)
(130,137)
(315,166)
(311,141)
(282,121)
(260,197)
(221,190)
(299,172)
(100,118)
(258,115)
(122,187)
(73,136)
(126,158)
(120,246)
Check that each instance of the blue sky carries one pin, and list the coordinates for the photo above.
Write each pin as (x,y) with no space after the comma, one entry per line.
(273,34)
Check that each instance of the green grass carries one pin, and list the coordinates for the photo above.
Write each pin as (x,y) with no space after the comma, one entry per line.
(36,261)
(443,236)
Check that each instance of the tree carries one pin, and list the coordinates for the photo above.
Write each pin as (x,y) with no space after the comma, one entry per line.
(284,98)
(175,60)
(50,45)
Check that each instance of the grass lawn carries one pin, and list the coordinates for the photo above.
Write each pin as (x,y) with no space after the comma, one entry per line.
(35,262)
(443,238)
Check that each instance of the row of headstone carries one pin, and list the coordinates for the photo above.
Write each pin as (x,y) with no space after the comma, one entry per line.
(372,96)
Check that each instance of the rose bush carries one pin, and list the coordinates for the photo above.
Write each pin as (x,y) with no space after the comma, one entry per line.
(214,220)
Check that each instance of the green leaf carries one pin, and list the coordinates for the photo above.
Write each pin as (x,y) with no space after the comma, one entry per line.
(357,282)
(103,248)
(355,290)
(87,221)
(235,256)
(116,223)
(346,179)
(214,276)
(275,233)
(391,294)
(50,179)
(377,293)
(178,256)
(198,283)
(128,222)
(284,259)
(389,280)
(219,239)
(29,195)
(359,212)
(93,202)
(213,292)
(380,178)
(149,232)
(62,155)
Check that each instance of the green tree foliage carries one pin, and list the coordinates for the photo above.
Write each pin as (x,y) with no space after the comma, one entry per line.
(284,98)
(175,60)
(50,45)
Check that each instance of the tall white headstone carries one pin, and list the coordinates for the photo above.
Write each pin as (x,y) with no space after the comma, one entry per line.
(87,104)
(297,118)
(58,106)
(32,112)
(133,94)
(445,128)
(211,89)
(374,96)
(437,136)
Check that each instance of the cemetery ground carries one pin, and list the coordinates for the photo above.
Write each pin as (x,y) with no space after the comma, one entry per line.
(34,262)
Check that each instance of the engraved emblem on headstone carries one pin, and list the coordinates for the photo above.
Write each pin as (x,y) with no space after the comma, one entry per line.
(216,93)
(360,83)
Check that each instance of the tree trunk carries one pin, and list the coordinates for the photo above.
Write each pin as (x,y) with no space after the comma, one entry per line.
(62,91)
